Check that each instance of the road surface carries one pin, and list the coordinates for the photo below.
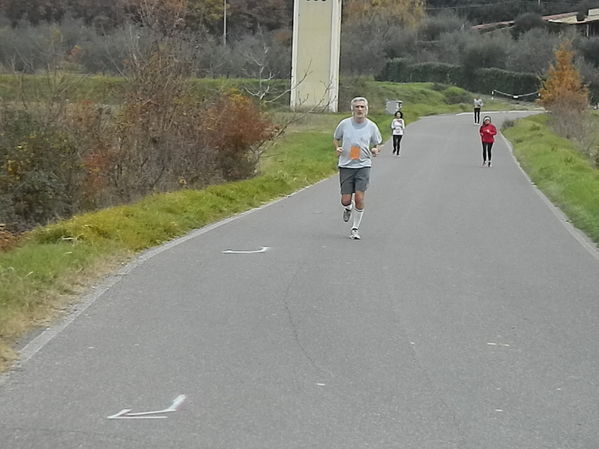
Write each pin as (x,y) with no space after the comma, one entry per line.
(466,318)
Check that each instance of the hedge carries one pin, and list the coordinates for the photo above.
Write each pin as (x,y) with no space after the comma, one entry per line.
(484,80)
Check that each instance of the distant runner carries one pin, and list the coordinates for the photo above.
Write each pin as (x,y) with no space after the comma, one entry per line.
(397,129)
(487,134)
(478,104)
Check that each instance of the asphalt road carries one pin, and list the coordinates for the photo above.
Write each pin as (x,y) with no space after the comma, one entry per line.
(466,318)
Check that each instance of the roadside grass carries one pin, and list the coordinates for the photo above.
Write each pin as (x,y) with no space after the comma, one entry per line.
(555,165)
(56,263)
(109,89)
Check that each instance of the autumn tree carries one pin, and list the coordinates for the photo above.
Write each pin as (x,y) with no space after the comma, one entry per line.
(565,96)
(563,87)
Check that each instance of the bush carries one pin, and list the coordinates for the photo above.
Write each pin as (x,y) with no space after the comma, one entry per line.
(532,52)
(590,49)
(39,170)
(507,124)
(58,158)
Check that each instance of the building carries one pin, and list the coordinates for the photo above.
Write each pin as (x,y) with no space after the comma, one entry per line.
(587,26)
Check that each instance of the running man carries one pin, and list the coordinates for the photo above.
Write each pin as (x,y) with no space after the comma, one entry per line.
(478,104)
(356,141)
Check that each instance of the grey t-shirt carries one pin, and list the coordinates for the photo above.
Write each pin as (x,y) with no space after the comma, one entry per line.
(357,139)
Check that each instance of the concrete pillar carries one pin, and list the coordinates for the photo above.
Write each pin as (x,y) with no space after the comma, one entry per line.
(315,58)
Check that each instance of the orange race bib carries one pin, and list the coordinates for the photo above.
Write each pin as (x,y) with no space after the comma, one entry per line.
(354,152)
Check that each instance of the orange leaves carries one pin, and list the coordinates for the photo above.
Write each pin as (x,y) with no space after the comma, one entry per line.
(563,88)
(237,129)
(7,238)
(236,123)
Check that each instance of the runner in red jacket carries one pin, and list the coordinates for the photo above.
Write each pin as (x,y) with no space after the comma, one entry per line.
(487,135)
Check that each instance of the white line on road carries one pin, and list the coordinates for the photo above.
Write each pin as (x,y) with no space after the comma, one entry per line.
(156,414)
(244,251)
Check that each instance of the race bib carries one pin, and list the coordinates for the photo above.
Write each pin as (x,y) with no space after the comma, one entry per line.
(354,152)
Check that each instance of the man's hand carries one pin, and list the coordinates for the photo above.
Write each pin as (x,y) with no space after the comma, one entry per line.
(375,151)
(339,150)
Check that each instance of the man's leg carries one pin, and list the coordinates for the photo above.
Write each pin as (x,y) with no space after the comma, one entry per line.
(362,179)
(346,180)
(359,212)
(347,206)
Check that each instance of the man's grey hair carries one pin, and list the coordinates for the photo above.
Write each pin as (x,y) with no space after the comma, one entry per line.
(356,99)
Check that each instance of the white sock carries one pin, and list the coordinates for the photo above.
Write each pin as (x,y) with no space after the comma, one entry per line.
(358,217)
(349,207)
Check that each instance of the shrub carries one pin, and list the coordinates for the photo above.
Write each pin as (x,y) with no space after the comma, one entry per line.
(590,49)
(39,170)
(58,158)
(508,123)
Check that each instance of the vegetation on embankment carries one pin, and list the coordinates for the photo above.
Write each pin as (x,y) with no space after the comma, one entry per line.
(55,263)
(560,170)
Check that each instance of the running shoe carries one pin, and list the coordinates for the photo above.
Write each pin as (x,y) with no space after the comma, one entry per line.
(354,234)
(346,214)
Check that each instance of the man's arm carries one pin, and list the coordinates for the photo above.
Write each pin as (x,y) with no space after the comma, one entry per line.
(338,147)
(377,139)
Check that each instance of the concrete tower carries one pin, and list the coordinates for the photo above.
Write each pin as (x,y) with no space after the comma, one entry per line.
(315,58)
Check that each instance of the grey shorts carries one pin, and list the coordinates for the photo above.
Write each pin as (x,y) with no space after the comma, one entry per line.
(354,180)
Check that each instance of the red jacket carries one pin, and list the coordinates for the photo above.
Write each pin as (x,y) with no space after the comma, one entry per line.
(487,132)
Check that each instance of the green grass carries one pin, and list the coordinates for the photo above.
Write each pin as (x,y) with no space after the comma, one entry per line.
(559,170)
(106,89)
(56,262)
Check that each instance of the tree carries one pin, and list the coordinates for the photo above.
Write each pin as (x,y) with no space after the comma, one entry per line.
(408,12)
(206,14)
(257,15)
(563,87)
(526,22)
(567,99)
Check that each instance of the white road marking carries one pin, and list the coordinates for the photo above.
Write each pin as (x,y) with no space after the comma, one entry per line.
(244,251)
(156,414)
